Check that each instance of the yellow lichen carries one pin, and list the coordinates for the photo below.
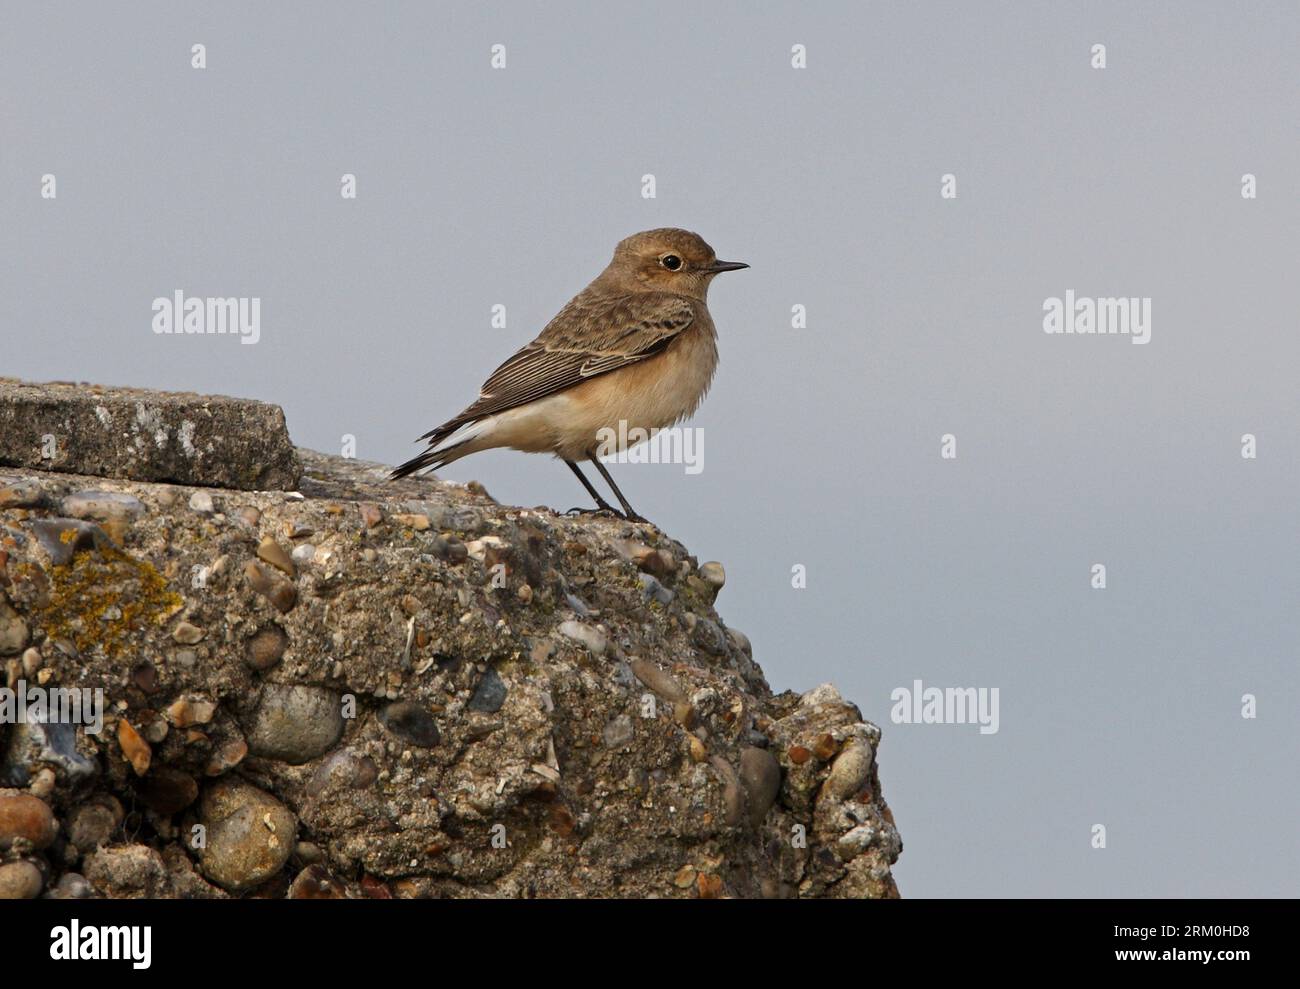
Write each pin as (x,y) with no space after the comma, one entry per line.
(82,592)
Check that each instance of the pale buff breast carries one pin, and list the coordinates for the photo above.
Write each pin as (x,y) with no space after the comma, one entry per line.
(652,394)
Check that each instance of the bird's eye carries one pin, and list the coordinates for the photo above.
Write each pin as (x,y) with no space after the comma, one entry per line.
(671,261)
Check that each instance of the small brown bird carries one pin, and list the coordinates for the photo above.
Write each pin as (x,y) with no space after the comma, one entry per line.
(635,346)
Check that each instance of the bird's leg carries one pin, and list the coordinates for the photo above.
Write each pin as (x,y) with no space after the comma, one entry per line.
(603,505)
(629,512)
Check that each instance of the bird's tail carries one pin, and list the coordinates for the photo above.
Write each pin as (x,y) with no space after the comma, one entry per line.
(443,449)
(427,459)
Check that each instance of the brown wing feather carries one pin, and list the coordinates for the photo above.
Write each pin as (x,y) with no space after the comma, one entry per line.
(593,334)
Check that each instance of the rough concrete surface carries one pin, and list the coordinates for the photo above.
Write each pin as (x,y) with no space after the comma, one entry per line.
(143,435)
(367,688)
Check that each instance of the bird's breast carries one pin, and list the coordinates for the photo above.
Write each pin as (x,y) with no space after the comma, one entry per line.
(652,394)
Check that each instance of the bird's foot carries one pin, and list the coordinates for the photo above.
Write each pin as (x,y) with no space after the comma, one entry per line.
(604,510)
(634,517)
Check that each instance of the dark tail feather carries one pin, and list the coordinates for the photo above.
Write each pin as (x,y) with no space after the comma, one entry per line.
(427,459)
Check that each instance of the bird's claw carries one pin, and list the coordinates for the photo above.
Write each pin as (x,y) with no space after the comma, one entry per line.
(606,511)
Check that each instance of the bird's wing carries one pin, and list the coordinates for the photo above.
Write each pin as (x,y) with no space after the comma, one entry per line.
(588,337)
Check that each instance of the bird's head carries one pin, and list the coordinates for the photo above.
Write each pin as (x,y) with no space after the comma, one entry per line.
(666,260)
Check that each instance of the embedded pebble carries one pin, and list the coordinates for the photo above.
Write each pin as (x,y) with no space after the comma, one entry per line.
(295,723)
(741,641)
(186,712)
(315,883)
(412,723)
(713,574)
(23,494)
(134,748)
(591,637)
(490,693)
(36,743)
(187,634)
(270,551)
(706,634)
(60,539)
(849,772)
(660,681)
(103,506)
(202,503)
(412,521)
(282,594)
(698,750)
(303,553)
(32,661)
(24,817)
(226,756)
(249,835)
(20,881)
(266,647)
(13,630)
(346,768)
(451,549)
(652,590)
(761,775)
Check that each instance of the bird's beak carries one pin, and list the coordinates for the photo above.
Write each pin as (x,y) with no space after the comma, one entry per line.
(720,266)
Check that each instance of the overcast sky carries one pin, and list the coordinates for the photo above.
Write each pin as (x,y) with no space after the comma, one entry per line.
(479,187)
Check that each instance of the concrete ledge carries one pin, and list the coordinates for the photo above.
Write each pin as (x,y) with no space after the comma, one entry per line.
(143,435)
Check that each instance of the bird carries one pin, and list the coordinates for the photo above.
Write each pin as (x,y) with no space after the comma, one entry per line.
(636,346)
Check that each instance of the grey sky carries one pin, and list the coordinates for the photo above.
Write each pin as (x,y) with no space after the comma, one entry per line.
(477,187)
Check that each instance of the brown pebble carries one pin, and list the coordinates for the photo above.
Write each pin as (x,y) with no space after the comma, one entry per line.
(371,516)
(798,754)
(266,647)
(710,886)
(684,714)
(658,562)
(825,746)
(698,751)
(685,877)
(134,748)
(226,757)
(20,881)
(282,594)
(23,816)
(270,551)
(187,711)
(414,521)
(187,634)
(314,883)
